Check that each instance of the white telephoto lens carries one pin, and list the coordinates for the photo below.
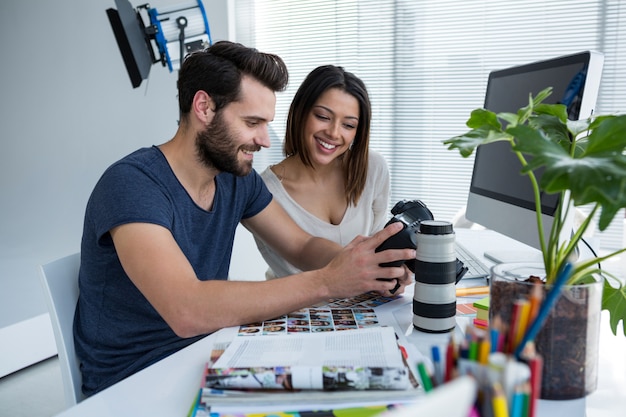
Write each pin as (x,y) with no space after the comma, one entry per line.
(434,300)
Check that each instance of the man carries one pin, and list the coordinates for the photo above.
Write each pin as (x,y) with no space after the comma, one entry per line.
(160,224)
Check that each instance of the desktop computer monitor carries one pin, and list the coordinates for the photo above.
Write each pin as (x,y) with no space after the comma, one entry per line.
(500,197)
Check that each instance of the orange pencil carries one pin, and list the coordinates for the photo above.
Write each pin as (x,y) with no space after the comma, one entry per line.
(464,292)
(484,348)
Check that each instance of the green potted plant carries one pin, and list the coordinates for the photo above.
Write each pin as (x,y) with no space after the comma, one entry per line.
(585,163)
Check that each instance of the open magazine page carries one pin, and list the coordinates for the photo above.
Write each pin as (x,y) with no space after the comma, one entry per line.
(334,315)
(375,346)
(347,360)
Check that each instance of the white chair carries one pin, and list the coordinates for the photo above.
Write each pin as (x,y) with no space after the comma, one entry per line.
(60,284)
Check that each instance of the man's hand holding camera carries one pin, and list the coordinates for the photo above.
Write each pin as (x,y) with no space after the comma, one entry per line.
(360,267)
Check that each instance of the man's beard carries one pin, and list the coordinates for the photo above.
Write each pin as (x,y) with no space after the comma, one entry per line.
(216,148)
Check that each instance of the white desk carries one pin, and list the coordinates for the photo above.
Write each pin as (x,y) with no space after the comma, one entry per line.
(168,387)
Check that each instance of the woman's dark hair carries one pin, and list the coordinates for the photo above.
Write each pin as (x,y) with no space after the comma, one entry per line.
(218,69)
(355,160)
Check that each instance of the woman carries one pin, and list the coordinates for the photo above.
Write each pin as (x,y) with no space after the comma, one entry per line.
(330,183)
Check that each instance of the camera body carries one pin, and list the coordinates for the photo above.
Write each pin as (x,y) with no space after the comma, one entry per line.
(410,213)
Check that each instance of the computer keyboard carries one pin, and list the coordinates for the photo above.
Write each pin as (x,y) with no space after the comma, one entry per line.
(476,268)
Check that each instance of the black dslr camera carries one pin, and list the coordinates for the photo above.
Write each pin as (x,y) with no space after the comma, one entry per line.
(410,214)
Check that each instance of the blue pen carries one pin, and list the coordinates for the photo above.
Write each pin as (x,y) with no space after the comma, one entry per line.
(437,364)
(545,308)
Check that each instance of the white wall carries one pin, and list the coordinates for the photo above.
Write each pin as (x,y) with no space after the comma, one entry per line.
(68,111)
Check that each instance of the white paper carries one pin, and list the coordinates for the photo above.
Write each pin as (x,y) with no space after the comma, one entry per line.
(371,347)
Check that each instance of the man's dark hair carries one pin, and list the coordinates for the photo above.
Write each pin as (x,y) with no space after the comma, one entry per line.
(218,69)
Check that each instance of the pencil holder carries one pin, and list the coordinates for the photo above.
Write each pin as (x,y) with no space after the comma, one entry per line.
(506,386)
(568,340)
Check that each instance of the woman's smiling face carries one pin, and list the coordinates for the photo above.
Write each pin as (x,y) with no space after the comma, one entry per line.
(331,125)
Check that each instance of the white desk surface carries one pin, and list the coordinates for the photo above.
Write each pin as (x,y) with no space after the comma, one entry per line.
(168,387)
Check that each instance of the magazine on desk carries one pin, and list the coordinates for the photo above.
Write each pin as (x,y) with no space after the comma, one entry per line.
(349,360)
(335,315)
(357,367)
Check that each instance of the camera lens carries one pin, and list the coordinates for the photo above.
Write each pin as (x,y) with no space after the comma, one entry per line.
(434,299)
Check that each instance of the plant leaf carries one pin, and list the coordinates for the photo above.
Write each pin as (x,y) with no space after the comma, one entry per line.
(596,173)
(576,127)
(556,110)
(608,134)
(553,126)
(469,141)
(483,118)
(614,300)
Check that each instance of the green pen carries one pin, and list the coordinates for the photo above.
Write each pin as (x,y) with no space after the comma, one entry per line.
(426,382)
(473,350)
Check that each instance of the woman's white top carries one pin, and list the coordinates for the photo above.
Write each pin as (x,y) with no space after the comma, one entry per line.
(366,218)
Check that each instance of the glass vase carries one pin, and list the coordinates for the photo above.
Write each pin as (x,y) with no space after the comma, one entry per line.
(569,338)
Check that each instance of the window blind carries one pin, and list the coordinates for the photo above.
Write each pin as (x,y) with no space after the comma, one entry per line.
(425,64)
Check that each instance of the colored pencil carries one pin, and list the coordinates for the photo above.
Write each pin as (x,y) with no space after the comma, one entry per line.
(510,339)
(497,332)
(426,381)
(463,292)
(484,348)
(536,365)
(449,371)
(544,309)
(522,322)
(517,404)
(473,350)
(500,407)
